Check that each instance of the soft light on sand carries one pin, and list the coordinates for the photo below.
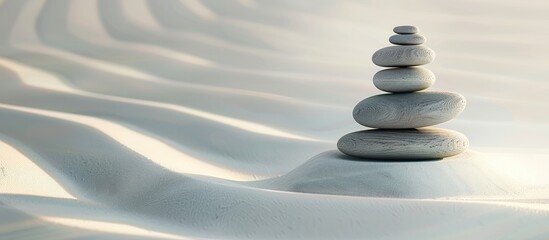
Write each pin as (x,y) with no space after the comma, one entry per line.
(38,78)
(510,166)
(151,148)
(109,227)
(20,175)
(24,30)
(138,12)
(247,3)
(199,9)
(84,22)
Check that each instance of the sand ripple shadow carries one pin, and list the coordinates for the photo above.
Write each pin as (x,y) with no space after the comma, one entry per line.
(464,176)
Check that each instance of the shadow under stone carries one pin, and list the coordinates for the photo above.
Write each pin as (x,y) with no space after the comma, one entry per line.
(343,156)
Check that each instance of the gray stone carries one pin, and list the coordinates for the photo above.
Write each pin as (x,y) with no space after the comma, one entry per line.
(408,110)
(407,144)
(403,56)
(408,39)
(399,80)
(406,29)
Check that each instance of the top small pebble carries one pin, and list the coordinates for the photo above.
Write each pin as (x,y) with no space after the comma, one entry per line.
(406,29)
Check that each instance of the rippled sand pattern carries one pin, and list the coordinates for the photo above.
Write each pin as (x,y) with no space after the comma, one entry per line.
(184,119)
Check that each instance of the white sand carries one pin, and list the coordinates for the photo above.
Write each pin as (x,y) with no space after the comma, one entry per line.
(186,119)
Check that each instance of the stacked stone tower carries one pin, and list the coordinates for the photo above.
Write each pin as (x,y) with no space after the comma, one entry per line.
(402,117)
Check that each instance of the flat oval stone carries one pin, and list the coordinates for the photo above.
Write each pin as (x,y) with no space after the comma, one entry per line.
(403,56)
(407,144)
(408,39)
(408,110)
(400,80)
(406,29)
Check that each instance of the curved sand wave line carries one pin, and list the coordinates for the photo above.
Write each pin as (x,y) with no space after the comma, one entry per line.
(285,19)
(286,37)
(86,13)
(173,14)
(203,139)
(465,176)
(110,227)
(24,37)
(508,203)
(323,216)
(137,12)
(113,69)
(264,31)
(33,228)
(76,213)
(147,146)
(104,38)
(199,9)
(20,175)
(38,78)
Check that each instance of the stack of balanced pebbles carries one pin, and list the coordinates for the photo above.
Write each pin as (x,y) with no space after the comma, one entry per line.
(403,116)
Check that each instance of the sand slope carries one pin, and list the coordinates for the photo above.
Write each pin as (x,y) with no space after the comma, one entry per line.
(185,119)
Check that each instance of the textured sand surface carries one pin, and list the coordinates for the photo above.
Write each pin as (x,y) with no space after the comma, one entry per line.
(178,119)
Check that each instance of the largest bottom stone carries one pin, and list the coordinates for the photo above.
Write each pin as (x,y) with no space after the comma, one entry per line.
(403,144)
